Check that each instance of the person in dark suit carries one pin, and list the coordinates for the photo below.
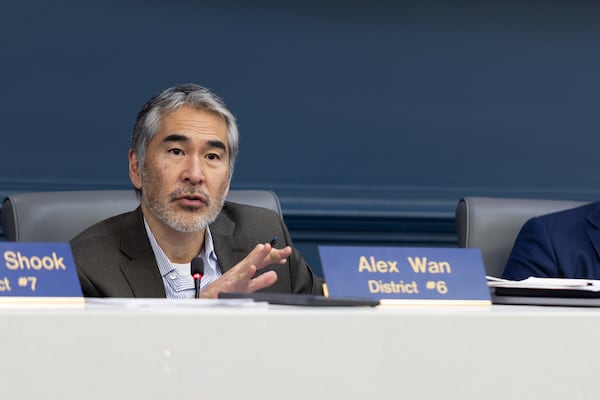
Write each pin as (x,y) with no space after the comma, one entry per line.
(181,161)
(565,244)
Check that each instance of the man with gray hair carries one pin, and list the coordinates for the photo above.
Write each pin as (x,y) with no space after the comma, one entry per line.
(181,161)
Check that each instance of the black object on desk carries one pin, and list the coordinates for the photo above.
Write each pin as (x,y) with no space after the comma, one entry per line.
(545,297)
(302,299)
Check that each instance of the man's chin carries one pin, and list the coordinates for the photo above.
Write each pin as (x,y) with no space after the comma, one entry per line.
(187,227)
(191,222)
(185,219)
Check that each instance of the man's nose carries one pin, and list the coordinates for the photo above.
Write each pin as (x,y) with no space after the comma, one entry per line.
(194,171)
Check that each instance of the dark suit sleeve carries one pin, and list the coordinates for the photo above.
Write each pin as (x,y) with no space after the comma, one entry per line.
(532,254)
(303,280)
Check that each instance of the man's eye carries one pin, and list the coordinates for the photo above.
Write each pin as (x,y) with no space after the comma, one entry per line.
(176,152)
(213,156)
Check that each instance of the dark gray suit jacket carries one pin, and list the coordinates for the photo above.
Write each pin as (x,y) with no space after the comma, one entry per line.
(114,257)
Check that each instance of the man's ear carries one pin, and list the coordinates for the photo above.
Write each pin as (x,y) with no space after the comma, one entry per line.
(135,175)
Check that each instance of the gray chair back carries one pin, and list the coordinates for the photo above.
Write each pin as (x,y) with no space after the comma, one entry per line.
(60,216)
(492,224)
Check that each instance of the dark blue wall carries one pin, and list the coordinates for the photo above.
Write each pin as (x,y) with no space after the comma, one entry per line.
(370,119)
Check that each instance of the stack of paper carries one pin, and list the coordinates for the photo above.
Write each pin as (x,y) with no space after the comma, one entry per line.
(546,291)
(587,285)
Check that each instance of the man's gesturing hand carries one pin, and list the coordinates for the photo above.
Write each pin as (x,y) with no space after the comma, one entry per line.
(241,277)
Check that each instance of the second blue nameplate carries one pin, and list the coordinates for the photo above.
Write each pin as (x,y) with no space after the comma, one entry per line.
(406,275)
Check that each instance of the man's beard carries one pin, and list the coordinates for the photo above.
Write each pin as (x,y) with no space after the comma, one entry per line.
(170,213)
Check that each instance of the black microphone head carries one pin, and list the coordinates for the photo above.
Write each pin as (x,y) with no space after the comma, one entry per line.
(197,266)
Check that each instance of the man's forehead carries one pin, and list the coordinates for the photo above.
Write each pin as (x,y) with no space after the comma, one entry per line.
(182,124)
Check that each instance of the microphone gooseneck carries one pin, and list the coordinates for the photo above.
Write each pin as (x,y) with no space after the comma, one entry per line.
(197,269)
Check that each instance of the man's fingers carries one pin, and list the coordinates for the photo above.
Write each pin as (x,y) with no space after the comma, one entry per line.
(246,273)
(274,255)
(263,255)
(262,281)
(278,255)
(241,278)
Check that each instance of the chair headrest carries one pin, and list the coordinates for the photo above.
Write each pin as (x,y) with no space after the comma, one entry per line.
(60,216)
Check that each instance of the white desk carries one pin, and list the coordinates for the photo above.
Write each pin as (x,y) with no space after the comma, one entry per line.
(274,352)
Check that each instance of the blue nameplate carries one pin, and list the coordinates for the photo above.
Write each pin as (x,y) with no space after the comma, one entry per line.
(406,275)
(38,273)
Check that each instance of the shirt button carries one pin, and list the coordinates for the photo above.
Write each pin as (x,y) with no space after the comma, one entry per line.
(173,276)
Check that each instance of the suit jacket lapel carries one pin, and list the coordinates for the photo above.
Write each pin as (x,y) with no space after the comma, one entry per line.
(229,249)
(141,271)
(593,231)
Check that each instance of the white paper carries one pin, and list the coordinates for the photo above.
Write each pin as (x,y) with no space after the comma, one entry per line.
(546,283)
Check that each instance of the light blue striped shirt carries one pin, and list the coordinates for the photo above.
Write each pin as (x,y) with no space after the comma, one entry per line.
(177,278)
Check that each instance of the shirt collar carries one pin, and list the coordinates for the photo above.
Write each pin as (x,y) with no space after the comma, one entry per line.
(164,264)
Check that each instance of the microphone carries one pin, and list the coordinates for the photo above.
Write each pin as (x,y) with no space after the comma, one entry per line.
(197,272)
